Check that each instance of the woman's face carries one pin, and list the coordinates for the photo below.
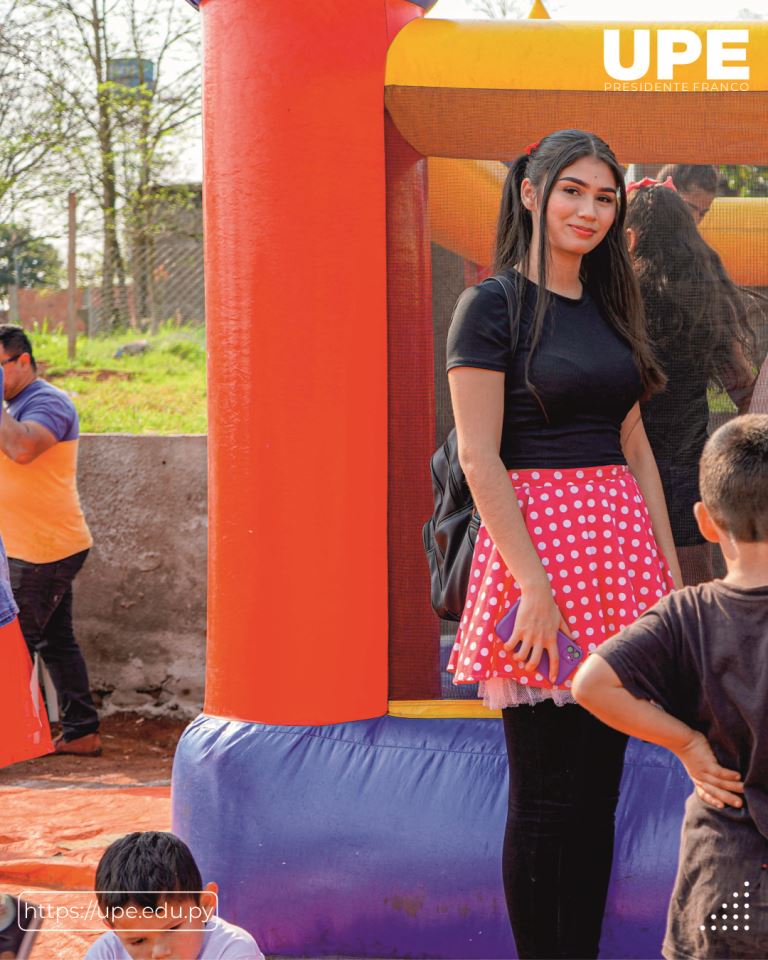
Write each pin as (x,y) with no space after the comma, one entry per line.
(582,207)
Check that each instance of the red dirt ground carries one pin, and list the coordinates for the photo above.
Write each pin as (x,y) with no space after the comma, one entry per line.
(57,814)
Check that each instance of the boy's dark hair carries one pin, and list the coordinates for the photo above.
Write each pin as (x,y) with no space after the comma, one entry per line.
(14,340)
(140,867)
(690,176)
(734,477)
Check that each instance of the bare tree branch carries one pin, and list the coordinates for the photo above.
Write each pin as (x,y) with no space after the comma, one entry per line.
(113,142)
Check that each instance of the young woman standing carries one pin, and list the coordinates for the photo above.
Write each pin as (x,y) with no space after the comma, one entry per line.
(574,523)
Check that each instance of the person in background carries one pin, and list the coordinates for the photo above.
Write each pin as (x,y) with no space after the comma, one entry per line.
(699,323)
(44,530)
(696,183)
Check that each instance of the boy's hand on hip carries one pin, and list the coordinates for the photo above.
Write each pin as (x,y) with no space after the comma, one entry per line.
(714,784)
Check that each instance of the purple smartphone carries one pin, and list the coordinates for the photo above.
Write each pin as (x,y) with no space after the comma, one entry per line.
(571,653)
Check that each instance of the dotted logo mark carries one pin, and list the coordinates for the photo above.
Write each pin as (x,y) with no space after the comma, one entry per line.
(740,903)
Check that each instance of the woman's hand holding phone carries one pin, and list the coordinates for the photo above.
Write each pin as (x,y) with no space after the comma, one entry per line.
(536,626)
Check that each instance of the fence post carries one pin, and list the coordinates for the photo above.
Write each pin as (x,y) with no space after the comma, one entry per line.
(72,277)
(90,323)
(13,304)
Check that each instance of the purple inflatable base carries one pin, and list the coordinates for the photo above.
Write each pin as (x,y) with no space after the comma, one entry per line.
(382,838)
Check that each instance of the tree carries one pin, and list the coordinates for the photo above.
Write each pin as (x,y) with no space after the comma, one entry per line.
(26,260)
(124,131)
(33,128)
(76,66)
(511,9)
(744,181)
(149,115)
(501,9)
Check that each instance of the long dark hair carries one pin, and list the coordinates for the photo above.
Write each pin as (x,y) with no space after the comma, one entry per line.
(606,271)
(685,287)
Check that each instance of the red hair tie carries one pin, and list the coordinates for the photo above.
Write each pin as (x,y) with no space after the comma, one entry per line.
(531,147)
(648,182)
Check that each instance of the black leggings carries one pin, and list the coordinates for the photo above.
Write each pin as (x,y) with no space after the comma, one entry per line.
(564,773)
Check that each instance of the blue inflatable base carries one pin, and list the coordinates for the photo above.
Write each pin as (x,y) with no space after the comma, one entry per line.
(382,838)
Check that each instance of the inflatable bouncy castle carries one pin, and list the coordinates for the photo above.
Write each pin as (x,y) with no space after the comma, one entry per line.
(347,799)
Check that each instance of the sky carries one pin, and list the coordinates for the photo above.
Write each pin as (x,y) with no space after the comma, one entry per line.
(659,10)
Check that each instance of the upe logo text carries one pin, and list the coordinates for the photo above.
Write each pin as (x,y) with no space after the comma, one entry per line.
(674,48)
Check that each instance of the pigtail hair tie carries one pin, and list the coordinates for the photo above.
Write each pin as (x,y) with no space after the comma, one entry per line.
(649,182)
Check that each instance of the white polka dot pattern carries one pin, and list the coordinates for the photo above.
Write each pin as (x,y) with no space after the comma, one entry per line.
(603,574)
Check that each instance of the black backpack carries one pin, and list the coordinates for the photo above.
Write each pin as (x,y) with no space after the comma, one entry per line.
(450,533)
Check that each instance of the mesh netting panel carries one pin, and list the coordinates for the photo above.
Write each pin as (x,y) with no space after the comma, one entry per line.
(711,339)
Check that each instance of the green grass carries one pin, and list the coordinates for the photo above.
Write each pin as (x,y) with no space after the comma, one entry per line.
(720,402)
(159,391)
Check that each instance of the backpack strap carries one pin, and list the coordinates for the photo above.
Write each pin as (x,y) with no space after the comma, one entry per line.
(511,294)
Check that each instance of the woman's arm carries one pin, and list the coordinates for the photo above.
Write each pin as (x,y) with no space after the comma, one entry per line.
(641,462)
(737,376)
(759,403)
(477,397)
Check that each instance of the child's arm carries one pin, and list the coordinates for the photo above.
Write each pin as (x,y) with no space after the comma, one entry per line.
(598,688)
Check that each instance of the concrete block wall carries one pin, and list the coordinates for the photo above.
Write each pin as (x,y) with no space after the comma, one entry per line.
(140,599)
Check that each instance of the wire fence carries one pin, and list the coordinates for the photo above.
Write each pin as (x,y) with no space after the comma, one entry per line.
(159,278)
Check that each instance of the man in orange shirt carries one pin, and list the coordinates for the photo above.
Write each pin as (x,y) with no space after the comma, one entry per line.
(45,533)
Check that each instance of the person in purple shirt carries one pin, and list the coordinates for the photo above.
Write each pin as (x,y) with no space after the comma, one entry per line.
(44,530)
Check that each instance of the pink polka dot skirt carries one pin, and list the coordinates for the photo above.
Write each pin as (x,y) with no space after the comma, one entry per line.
(592,532)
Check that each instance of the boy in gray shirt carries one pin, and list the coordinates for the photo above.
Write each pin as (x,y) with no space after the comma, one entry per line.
(701,654)
(151,896)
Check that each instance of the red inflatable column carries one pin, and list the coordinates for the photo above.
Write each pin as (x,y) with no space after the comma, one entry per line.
(296,306)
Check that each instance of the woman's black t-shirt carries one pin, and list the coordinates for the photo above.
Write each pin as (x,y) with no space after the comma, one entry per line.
(582,369)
